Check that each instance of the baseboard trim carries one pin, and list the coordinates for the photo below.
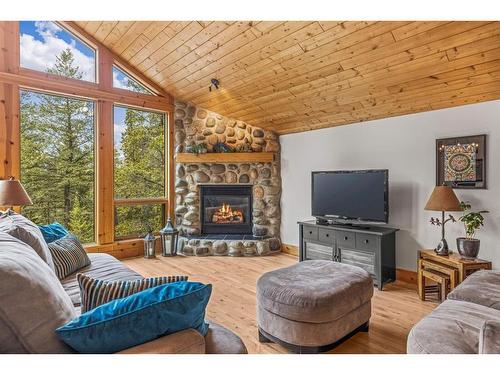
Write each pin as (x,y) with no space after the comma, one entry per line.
(406,276)
(290,249)
(403,275)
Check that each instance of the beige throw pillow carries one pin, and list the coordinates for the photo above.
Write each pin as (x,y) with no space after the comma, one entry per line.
(28,232)
(33,302)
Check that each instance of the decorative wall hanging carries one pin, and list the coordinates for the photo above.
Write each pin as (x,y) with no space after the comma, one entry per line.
(461,162)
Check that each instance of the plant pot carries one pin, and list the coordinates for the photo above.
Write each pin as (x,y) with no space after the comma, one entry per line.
(468,247)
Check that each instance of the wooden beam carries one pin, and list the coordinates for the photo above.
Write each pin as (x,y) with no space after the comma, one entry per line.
(105,69)
(105,222)
(9,102)
(9,131)
(39,81)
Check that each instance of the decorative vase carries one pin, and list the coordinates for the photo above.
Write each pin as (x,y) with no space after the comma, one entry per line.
(468,247)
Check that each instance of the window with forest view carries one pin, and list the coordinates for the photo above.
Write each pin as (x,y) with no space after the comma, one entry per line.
(42,43)
(57,160)
(139,170)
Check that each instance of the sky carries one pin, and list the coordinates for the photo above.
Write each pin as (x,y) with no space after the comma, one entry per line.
(119,121)
(42,41)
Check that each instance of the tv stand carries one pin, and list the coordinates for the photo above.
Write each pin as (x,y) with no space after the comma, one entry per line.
(371,248)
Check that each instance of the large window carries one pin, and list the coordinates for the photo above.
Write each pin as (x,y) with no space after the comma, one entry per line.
(63,158)
(57,161)
(47,47)
(139,138)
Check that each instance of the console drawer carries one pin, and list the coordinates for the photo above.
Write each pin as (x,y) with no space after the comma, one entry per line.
(366,241)
(346,239)
(316,251)
(326,235)
(310,233)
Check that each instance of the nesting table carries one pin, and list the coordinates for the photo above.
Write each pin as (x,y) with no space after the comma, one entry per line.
(447,271)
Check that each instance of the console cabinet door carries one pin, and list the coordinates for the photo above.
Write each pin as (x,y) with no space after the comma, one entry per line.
(314,251)
(363,259)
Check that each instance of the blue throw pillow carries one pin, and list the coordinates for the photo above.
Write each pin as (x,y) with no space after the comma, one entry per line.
(53,232)
(139,318)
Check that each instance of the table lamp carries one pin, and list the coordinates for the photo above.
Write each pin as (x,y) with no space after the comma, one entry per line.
(442,199)
(13,194)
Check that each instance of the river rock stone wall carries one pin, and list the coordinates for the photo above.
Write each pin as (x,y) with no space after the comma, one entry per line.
(194,126)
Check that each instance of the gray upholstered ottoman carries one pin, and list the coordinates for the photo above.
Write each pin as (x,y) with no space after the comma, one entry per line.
(313,305)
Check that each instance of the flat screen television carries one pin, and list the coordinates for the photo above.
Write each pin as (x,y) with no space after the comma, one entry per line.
(351,196)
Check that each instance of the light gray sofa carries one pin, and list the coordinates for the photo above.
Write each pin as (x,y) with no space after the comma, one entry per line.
(467,322)
(33,303)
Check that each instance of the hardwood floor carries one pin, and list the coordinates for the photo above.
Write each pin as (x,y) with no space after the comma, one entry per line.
(233,303)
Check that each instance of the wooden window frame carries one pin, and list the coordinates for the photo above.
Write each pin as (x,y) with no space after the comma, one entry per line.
(150,200)
(13,78)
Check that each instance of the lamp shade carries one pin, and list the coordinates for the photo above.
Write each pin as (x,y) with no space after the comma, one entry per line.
(12,193)
(443,198)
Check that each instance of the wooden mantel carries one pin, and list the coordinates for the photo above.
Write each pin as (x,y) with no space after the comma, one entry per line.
(229,157)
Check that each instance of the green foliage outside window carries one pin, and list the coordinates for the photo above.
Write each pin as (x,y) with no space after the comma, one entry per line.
(58,166)
(57,155)
(137,220)
(139,170)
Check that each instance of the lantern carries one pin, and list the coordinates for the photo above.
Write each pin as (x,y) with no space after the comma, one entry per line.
(149,246)
(169,237)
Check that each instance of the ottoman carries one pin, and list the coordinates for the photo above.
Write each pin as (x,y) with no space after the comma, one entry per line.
(314,305)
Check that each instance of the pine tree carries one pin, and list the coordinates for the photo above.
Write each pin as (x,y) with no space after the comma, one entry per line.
(139,170)
(57,152)
(78,222)
(57,160)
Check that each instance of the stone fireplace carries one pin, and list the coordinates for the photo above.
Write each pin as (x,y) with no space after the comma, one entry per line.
(226,208)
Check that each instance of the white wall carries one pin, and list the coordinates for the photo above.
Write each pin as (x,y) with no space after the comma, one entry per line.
(406,146)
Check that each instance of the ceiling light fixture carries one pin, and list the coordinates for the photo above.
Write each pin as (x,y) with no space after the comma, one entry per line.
(214,82)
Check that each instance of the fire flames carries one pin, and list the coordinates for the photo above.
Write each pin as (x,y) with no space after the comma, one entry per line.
(226,215)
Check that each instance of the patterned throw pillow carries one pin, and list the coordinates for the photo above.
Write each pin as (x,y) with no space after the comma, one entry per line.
(68,255)
(94,292)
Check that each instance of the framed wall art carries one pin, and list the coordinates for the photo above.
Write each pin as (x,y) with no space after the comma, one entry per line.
(461,162)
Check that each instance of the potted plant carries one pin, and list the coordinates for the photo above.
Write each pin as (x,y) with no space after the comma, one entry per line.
(468,246)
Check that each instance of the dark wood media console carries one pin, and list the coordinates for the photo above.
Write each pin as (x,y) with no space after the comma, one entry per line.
(372,248)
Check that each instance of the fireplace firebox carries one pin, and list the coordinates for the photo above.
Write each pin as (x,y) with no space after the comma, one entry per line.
(226,209)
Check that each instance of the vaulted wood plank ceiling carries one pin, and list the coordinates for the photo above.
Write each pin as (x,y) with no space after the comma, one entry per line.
(297,76)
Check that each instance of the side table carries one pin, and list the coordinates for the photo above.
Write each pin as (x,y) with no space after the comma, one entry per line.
(453,265)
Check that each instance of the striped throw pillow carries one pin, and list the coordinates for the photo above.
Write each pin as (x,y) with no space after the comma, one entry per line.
(68,255)
(94,292)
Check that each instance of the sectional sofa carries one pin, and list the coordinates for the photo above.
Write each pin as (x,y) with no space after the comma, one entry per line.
(467,322)
(34,302)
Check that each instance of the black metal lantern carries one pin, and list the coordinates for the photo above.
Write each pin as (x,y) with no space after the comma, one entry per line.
(149,245)
(169,237)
